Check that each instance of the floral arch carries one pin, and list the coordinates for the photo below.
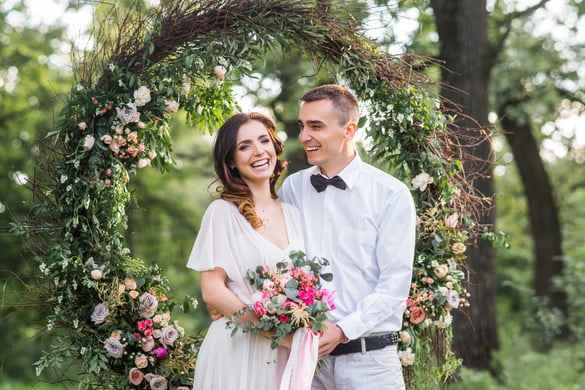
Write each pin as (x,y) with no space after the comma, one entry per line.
(116,121)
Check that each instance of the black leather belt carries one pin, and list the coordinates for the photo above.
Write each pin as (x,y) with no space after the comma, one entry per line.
(371,343)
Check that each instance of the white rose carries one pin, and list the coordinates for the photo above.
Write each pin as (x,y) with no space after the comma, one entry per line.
(88,142)
(422,180)
(171,105)
(406,357)
(82,125)
(141,361)
(106,139)
(219,72)
(405,337)
(143,163)
(141,96)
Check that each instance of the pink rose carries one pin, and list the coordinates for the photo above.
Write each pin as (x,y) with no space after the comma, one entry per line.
(417,315)
(106,139)
(133,294)
(160,353)
(458,248)
(82,125)
(147,344)
(130,283)
(452,220)
(328,296)
(441,271)
(158,382)
(135,376)
(143,163)
(96,274)
(141,361)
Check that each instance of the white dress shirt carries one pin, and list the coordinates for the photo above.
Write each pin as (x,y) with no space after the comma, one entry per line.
(367,233)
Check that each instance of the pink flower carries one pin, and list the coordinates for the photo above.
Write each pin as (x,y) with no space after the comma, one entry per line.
(160,353)
(96,274)
(147,344)
(417,315)
(137,336)
(259,309)
(441,271)
(158,382)
(458,248)
(141,361)
(452,220)
(143,163)
(328,296)
(82,125)
(171,105)
(88,142)
(148,332)
(135,376)
(283,318)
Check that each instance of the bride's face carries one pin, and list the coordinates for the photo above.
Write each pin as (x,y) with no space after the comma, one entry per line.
(255,155)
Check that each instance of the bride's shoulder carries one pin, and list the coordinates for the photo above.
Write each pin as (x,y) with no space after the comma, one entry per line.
(220,206)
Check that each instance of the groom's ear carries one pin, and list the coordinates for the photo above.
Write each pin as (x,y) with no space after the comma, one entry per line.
(350,130)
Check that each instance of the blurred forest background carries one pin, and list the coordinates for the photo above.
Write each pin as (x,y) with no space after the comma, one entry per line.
(519,67)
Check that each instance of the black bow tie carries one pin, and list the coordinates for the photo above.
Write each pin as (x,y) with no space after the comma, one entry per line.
(321,182)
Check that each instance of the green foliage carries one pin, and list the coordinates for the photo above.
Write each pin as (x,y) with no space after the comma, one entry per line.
(116,121)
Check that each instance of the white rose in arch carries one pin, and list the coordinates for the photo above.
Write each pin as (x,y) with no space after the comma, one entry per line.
(422,180)
(141,96)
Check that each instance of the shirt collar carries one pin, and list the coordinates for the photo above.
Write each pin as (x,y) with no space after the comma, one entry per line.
(350,173)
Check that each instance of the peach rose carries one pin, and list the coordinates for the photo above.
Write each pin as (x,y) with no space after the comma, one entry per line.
(417,315)
(135,376)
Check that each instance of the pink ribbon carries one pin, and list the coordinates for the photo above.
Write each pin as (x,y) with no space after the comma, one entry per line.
(302,361)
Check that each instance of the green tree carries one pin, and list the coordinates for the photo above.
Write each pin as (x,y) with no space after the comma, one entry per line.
(30,89)
(492,60)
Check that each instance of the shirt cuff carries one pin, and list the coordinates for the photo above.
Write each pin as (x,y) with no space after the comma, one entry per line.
(352,326)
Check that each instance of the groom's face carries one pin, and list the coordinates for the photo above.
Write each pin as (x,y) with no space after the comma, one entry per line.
(322,136)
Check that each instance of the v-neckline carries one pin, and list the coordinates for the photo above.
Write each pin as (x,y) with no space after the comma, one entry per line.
(288,237)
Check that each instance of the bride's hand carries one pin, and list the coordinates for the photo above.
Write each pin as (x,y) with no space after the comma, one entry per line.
(286,342)
(215,315)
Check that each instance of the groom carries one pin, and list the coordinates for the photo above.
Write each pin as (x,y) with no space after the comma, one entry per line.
(363,221)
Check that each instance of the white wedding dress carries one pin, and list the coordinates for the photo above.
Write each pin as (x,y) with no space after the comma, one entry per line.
(227,240)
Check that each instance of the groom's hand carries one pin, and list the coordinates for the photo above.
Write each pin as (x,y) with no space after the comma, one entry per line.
(330,338)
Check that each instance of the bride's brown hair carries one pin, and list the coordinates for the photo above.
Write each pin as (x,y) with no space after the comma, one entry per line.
(233,188)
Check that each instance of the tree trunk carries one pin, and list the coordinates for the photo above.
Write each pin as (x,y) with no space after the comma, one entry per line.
(544,218)
(462,29)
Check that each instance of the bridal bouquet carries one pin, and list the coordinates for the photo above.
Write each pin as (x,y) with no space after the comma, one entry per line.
(288,298)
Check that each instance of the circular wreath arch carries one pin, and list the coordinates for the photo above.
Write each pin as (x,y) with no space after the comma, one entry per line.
(116,121)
